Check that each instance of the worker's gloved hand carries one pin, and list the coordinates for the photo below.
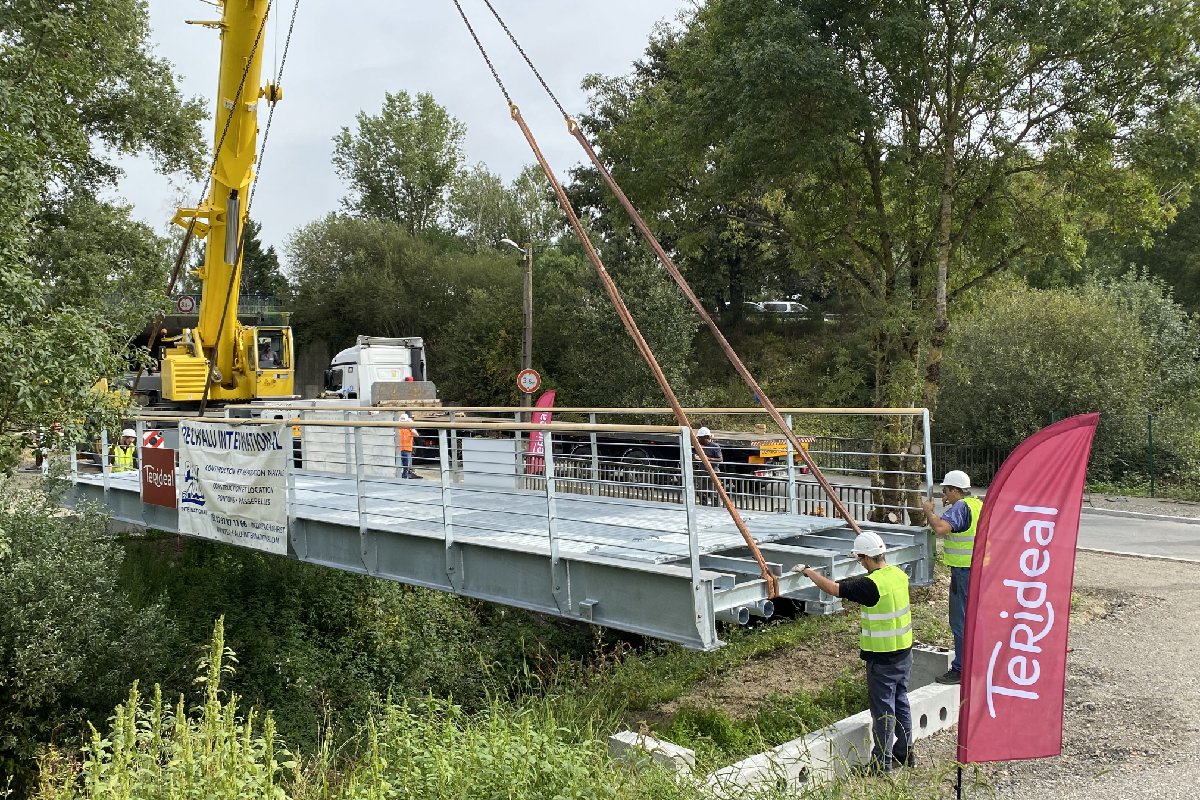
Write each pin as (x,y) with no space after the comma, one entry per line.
(800,568)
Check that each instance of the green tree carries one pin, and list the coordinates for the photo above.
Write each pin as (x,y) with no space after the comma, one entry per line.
(366,276)
(401,163)
(913,150)
(70,638)
(582,348)
(78,86)
(371,277)
(1175,257)
(361,276)
(261,274)
(1123,348)
(483,210)
(92,257)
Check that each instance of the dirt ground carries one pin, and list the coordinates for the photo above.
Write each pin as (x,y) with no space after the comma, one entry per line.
(741,691)
(809,667)
(1131,727)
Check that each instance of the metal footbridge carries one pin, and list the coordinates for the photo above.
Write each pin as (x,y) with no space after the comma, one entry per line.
(609,542)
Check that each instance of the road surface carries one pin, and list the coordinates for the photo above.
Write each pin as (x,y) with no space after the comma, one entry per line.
(1140,534)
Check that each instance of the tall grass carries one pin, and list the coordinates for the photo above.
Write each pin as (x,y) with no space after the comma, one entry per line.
(154,750)
(548,745)
(433,750)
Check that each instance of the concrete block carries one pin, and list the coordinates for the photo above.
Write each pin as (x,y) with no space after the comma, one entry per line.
(830,752)
(815,758)
(934,708)
(628,744)
(928,663)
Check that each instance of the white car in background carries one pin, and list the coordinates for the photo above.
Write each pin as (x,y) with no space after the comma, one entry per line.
(783,307)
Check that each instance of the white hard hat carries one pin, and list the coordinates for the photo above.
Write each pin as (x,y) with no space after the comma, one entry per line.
(404,417)
(703,432)
(128,432)
(264,340)
(868,544)
(957,478)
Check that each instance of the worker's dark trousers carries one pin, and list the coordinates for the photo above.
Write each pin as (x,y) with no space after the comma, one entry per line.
(887,695)
(406,464)
(960,581)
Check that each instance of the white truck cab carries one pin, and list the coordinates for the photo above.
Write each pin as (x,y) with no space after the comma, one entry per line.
(379,369)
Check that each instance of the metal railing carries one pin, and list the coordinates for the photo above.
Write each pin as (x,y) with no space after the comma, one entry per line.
(629,462)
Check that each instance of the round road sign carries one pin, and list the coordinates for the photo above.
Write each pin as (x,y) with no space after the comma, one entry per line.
(185,304)
(528,381)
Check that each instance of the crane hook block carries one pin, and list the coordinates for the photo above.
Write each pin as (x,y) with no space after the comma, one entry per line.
(273,93)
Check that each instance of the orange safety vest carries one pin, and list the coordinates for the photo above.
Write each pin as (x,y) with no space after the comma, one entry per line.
(405,437)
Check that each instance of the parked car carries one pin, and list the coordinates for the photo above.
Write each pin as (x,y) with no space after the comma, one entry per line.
(783,307)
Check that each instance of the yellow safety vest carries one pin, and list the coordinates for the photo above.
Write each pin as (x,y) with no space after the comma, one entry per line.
(960,545)
(123,458)
(887,625)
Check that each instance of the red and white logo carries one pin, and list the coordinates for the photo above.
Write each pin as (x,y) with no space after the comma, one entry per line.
(158,477)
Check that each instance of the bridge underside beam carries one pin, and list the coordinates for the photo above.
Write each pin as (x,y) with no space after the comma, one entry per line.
(497,557)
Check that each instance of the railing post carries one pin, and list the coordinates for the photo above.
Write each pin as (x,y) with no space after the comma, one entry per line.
(104,459)
(139,430)
(397,459)
(452,574)
(793,503)
(595,456)
(557,575)
(1150,445)
(290,476)
(361,500)
(347,449)
(699,600)
(928,455)
(522,455)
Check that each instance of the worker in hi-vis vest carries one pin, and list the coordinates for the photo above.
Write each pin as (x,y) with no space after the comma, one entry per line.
(124,452)
(957,525)
(885,644)
(405,438)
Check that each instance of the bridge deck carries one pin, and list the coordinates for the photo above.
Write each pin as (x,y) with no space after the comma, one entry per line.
(658,564)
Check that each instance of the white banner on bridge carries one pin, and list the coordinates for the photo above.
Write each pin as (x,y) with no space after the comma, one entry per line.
(234,487)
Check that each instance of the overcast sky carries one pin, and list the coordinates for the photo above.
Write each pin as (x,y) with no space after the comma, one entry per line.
(346,53)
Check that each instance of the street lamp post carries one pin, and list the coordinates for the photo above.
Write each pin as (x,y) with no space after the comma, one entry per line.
(526,311)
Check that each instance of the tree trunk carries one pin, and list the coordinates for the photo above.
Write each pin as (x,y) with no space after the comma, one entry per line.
(894,475)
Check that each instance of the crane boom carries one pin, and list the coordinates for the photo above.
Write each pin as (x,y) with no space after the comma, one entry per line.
(220,348)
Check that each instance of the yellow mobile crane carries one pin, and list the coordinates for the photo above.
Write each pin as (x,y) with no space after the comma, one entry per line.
(221,359)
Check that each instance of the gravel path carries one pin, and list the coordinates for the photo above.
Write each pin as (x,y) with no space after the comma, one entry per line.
(1132,717)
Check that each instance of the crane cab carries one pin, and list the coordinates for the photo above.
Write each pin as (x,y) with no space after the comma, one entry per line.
(271,357)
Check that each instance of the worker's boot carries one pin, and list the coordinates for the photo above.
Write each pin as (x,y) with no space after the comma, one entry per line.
(904,757)
(950,677)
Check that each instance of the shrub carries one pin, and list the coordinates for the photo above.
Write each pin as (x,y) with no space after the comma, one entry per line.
(70,639)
